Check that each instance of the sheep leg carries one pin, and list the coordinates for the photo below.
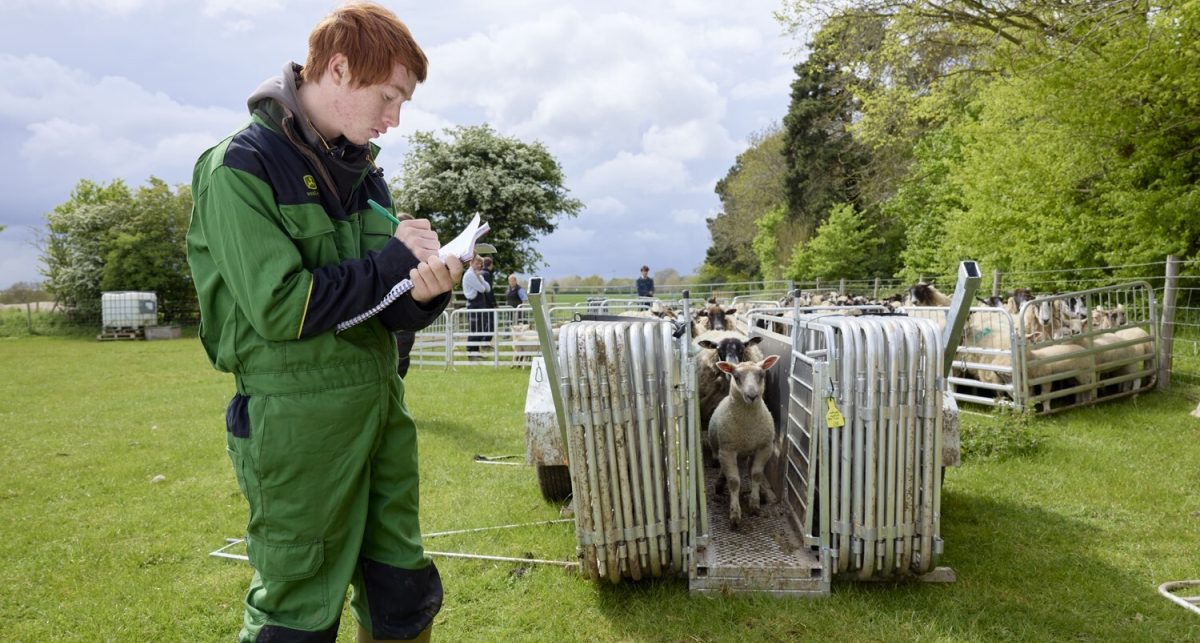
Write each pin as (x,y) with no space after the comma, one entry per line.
(758,482)
(729,470)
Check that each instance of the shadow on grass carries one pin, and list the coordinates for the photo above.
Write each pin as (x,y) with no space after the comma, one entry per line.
(1022,573)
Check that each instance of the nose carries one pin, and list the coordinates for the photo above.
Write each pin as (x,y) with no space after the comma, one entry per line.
(391,116)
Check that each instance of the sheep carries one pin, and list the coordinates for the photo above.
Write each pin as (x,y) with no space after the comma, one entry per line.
(1065,364)
(923,294)
(712,384)
(713,317)
(742,426)
(1111,320)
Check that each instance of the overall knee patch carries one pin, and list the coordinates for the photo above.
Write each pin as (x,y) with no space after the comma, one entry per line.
(401,602)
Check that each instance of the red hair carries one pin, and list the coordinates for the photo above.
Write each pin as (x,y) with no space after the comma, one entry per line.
(373,40)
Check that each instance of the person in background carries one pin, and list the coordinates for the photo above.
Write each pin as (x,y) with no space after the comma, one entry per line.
(283,247)
(516,295)
(645,285)
(490,277)
(489,321)
(475,288)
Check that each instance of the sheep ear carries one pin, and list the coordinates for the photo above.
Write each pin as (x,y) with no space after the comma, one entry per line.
(753,340)
(704,343)
(726,367)
(731,311)
(767,363)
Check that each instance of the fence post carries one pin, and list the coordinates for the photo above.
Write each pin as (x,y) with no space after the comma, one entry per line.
(1166,333)
(842,286)
(875,293)
(996,282)
(29,317)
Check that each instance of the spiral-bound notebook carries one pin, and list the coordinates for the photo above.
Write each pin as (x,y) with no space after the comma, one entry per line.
(462,246)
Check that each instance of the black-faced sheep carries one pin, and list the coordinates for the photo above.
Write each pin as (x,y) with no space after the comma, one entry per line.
(713,317)
(742,426)
(712,383)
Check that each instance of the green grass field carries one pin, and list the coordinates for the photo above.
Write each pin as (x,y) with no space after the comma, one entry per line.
(1066,542)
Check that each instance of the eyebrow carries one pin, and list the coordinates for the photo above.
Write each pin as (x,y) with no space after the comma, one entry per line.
(400,90)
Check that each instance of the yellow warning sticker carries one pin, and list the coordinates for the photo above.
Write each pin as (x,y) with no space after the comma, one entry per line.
(833,417)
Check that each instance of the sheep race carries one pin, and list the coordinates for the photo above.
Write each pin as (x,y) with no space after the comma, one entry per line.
(770,446)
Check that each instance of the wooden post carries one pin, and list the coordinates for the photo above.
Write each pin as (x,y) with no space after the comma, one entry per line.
(875,293)
(1166,333)
(29,317)
(996,283)
(842,286)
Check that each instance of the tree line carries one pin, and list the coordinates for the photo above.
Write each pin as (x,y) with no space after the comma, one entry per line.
(109,237)
(1038,135)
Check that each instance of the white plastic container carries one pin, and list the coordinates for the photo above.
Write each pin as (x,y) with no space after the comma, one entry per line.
(128,309)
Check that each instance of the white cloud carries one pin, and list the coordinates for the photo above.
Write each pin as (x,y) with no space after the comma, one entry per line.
(690,140)
(103,128)
(607,205)
(687,217)
(636,173)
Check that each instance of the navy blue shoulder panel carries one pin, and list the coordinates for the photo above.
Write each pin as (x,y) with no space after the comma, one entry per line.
(272,158)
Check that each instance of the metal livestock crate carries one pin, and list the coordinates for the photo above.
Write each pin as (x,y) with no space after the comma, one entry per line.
(858,408)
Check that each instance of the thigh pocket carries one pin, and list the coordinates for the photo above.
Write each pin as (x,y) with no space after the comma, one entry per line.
(285,561)
(296,588)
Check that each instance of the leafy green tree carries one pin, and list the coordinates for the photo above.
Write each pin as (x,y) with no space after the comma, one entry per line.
(107,237)
(516,187)
(824,162)
(146,250)
(766,242)
(751,188)
(842,247)
(73,253)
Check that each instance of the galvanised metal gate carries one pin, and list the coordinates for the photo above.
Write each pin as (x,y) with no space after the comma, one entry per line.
(867,398)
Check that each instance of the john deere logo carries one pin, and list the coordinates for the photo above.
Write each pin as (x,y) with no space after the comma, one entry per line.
(310,182)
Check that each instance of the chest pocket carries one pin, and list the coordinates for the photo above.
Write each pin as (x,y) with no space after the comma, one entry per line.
(313,233)
(376,232)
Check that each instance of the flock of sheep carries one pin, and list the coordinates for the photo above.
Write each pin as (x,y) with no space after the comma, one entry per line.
(732,371)
(1064,341)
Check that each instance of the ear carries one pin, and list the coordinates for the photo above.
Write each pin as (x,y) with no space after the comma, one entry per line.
(766,364)
(726,367)
(753,340)
(731,311)
(704,343)
(338,69)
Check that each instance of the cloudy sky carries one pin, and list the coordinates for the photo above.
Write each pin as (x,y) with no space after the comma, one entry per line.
(645,103)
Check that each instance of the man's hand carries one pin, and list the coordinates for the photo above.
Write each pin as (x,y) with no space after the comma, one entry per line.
(418,236)
(434,277)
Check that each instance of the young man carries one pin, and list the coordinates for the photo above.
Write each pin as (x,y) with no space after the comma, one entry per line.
(283,247)
(645,284)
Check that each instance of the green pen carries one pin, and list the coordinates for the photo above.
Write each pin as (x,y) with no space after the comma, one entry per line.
(382,211)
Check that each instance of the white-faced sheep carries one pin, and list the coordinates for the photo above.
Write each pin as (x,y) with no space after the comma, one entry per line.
(712,384)
(1066,359)
(742,426)
(1115,361)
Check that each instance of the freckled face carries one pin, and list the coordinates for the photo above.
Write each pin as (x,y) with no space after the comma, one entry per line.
(367,112)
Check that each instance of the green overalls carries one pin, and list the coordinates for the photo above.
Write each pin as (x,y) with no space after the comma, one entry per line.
(322,444)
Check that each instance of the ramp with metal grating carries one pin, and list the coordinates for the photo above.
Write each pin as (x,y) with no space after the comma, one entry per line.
(766,555)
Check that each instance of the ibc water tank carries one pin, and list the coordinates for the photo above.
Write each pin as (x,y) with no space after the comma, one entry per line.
(128,309)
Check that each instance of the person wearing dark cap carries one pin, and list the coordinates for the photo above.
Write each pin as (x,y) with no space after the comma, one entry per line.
(645,284)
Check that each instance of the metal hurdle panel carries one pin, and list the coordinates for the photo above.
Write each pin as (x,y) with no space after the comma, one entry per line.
(632,442)
(984,371)
(870,390)
(1104,363)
